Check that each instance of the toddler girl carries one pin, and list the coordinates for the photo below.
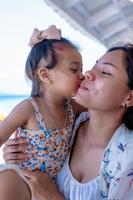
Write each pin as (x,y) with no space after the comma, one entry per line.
(46,118)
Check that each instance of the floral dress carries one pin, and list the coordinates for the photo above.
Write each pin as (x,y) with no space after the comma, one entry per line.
(50,146)
(116,176)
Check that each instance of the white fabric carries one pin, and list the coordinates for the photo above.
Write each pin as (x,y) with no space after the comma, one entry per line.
(11,167)
(69,186)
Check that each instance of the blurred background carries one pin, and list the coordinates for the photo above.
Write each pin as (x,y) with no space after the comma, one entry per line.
(17,19)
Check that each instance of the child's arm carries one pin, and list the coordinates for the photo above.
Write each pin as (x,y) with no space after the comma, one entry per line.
(78,108)
(17,118)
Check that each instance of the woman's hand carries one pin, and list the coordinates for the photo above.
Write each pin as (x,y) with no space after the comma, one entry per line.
(14,151)
(42,186)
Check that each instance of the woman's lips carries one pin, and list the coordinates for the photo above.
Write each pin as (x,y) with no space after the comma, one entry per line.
(83,88)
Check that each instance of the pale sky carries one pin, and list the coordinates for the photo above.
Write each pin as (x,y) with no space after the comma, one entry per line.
(17,20)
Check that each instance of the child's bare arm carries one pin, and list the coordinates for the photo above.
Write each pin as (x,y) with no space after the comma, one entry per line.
(17,117)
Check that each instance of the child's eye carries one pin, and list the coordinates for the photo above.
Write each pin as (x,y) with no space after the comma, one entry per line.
(73,70)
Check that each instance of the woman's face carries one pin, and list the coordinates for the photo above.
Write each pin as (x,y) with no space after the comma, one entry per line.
(105,87)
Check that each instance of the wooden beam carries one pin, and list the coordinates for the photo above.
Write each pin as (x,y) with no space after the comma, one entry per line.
(117,39)
(71,3)
(73,18)
(102,15)
(115,27)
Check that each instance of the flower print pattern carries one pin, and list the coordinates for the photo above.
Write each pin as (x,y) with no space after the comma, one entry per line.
(130,173)
(106,159)
(103,195)
(122,147)
(116,175)
(50,146)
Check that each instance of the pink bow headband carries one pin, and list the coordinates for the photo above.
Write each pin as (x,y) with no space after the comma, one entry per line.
(50,33)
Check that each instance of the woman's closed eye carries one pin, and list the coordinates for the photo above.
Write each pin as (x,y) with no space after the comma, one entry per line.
(106,73)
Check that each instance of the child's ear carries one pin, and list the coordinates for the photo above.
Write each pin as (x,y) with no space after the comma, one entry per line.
(43,74)
(129,99)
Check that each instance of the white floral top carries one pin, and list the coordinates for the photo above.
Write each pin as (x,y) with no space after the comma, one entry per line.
(51,146)
(115,180)
(116,176)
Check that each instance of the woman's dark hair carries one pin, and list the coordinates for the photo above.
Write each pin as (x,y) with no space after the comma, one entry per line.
(128,60)
(44,49)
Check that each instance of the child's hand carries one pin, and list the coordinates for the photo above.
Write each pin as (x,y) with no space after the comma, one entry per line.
(14,151)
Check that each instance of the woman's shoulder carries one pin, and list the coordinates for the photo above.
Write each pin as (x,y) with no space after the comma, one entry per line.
(120,149)
(123,135)
(116,168)
(126,144)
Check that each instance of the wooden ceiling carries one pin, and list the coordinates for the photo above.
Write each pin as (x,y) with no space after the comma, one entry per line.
(108,21)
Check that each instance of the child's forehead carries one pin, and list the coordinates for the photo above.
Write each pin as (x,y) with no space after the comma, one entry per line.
(65,51)
(60,47)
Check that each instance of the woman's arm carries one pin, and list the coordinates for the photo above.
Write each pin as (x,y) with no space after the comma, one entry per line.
(121,184)
(42,186)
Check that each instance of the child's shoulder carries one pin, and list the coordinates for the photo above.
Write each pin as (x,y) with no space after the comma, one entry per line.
(24,105)
(19,115)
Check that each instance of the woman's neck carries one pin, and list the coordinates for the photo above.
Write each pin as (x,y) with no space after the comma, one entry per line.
(101,127)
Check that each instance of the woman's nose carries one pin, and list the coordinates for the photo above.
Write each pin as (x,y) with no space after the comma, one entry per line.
(90,75)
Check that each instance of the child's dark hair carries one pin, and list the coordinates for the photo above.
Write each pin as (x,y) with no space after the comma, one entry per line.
(44,49)
(128,60)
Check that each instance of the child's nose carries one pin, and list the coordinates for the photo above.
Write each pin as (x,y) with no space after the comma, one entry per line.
(90,75)
(81,76)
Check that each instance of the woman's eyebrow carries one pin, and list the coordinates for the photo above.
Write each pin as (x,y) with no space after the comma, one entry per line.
(108,63)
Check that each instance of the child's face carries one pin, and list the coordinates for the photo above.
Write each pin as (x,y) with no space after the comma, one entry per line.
(67,74)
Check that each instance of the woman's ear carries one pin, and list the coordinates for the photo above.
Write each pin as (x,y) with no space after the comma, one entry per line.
(43,74)
(129,100)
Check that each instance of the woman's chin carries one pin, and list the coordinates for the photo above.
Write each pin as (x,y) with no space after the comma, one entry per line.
(78,98)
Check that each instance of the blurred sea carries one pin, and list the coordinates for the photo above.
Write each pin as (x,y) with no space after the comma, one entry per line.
(7,103)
